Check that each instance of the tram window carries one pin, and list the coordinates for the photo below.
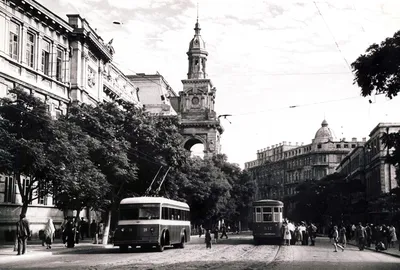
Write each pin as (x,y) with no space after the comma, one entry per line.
(267,209)
(267,217)
(258,214)
(276,209)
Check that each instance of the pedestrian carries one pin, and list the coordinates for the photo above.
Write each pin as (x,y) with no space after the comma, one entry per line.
(200,230)
(335,237)
(208,238)
(70,233)
(223,229)
(49,231)
(84,228)
(93,231)
(392,236)
(312,232)
(361,235)
(100,231)
(64,234)
(297,234)
(286,233)
(342,235)
(23,233)
(216,234)
(304,234)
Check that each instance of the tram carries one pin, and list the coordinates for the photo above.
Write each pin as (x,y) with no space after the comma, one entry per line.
(267,221)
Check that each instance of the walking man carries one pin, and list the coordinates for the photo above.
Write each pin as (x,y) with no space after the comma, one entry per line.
(23,233)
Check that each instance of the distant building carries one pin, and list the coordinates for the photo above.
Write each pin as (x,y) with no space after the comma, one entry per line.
(57,61)
(367,163)
(155,93)
(280,168)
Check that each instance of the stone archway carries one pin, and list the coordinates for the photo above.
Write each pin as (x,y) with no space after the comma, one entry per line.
(195,145)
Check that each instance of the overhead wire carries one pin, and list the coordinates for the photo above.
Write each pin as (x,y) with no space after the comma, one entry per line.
(333,37)
(298,105)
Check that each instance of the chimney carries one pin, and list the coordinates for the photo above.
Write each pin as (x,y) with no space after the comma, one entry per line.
(364,139)
(353,139)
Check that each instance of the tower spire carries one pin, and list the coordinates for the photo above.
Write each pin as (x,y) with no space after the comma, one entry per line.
(197,25)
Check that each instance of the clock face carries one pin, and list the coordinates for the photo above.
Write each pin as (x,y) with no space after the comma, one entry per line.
(195,101)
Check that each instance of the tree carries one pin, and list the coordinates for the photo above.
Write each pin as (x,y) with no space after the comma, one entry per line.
(205,188)
(378,69)
(81,184)
(110,151)
(26,140)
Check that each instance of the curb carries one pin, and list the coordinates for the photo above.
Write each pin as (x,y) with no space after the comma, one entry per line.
(372,249)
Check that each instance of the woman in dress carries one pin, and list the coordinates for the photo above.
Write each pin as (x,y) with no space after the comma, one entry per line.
(392,236)
(49,231)
(286,233)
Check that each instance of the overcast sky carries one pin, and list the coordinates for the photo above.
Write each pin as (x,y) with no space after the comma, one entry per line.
(264,58)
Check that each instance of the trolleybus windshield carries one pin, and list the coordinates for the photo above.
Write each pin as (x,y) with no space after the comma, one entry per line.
(139,211)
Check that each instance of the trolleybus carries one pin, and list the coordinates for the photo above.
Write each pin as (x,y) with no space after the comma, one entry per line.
(152,222)
(267,221)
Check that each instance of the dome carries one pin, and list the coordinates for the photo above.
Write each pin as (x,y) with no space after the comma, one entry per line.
(197,43)
(324,133)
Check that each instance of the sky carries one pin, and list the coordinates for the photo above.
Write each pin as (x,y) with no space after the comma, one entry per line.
(280,67)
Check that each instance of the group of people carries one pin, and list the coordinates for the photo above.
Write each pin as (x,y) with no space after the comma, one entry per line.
(72,229)
(298,233)
(208,234)
(382,236)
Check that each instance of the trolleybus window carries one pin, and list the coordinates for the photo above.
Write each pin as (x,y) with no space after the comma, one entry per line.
(139,211)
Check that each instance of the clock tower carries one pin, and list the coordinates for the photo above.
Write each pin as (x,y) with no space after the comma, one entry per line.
(199,121)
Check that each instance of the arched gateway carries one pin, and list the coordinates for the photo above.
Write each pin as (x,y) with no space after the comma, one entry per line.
(199,121)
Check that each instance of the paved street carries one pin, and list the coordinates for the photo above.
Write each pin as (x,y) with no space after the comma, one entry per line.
(237,252)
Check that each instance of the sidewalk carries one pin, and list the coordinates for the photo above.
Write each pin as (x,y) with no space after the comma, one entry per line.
(35,248)
(390,251)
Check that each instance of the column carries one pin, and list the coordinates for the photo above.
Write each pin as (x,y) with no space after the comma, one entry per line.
(22,44)
(38,52)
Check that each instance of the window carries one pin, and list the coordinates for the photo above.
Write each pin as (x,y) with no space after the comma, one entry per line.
(338,146)
(59,76)
(30,49)
(319,146)
(42,196)
(25,186)
(9,190)
(45,57)
(59,113)
(14,40)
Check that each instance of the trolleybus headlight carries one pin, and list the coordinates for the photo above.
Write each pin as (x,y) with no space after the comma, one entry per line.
(152,229)
(122,229)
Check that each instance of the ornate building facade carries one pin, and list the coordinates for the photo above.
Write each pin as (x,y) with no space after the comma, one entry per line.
(280,168)
(198,120)
(57,61)
(367,163)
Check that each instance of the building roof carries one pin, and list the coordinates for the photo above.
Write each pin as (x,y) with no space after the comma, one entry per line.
(197,43)
(324,133)
(162,200)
